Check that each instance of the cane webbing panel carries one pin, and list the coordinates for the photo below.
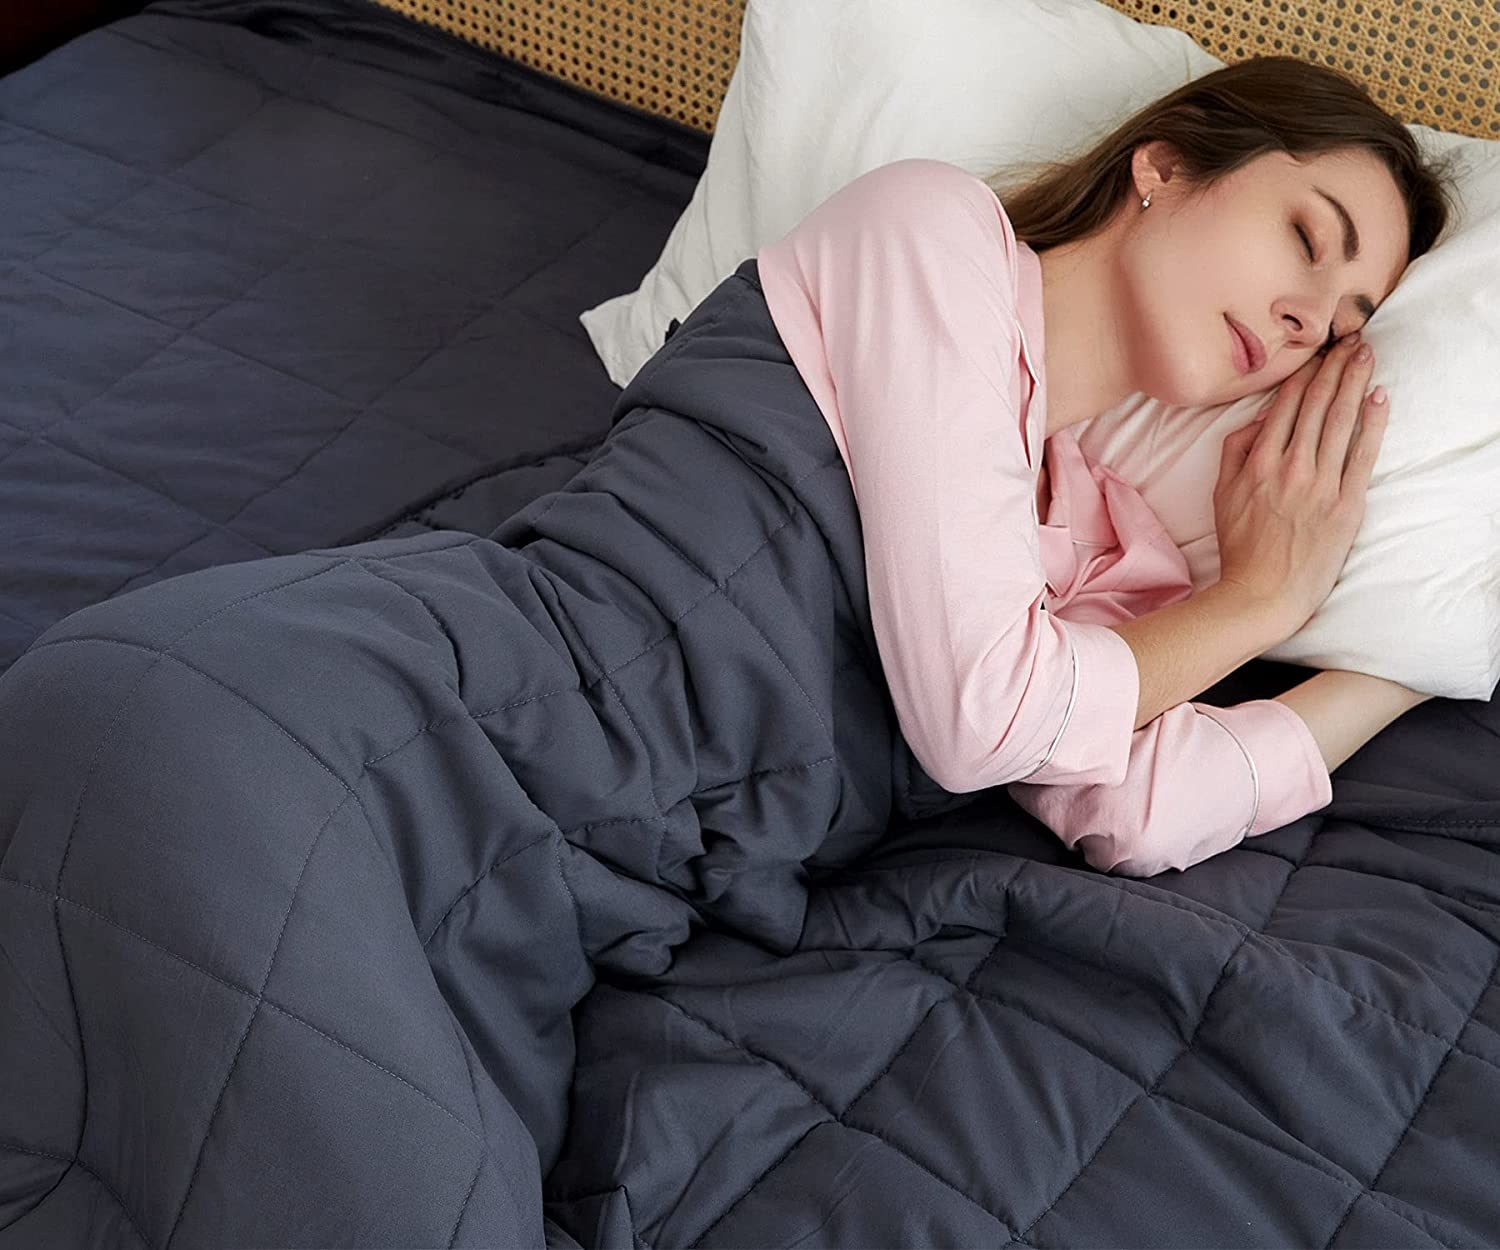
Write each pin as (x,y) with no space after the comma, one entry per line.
(1429,61)
(672,58)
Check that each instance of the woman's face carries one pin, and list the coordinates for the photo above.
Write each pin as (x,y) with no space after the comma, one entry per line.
(1191,263)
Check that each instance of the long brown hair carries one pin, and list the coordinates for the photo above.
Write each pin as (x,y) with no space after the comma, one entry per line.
(1217,123)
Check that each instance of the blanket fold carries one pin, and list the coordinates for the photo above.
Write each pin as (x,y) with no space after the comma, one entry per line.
(310,858)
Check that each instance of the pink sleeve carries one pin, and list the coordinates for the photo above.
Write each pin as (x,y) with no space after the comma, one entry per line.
(908,276)
(1200,780)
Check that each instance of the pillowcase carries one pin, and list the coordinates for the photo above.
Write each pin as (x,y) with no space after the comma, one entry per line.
(985,84)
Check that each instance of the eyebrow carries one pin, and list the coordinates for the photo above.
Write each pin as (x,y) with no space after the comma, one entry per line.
(1351,248)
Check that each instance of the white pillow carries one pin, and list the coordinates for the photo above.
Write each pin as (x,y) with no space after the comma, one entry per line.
(825,90)
(985,83)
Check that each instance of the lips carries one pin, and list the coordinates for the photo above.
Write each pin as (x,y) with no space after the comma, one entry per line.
(1252,353)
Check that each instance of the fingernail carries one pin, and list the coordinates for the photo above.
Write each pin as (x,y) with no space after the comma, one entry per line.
(1363,353)
(1377,396)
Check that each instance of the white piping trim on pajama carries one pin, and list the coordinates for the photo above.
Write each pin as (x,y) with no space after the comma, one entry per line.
(1254,775)
(1067,716)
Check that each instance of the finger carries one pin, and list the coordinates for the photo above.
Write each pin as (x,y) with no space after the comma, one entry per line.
(1321,391)
(1343,413)
(1365,448)
(1281,415)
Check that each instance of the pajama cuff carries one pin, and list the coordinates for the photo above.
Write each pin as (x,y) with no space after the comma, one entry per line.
(1091,745)
(1289,777)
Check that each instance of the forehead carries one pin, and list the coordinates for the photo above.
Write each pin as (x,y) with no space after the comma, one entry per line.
(1354,170)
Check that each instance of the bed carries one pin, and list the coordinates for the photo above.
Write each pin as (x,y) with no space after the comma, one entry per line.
(290,333)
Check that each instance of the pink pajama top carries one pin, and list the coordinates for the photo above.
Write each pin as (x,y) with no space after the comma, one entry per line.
(914,316)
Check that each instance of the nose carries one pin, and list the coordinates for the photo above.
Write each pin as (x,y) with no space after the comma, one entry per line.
(1307,320)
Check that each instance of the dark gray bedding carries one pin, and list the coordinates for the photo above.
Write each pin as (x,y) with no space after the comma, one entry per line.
(561,877)
(273,271)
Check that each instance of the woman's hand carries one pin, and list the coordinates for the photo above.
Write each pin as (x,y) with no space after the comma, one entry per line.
(1291,491)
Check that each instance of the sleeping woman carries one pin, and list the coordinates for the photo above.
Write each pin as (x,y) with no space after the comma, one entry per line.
(1035,623)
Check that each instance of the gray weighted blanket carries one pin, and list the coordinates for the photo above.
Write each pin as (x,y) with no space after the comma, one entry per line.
(535,888)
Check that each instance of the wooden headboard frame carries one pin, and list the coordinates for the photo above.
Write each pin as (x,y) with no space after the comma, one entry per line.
(1426,61)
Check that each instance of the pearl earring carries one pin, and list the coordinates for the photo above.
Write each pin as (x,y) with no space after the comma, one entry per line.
(1146,203)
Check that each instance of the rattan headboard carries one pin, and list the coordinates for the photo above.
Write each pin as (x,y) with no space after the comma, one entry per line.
(1428,61)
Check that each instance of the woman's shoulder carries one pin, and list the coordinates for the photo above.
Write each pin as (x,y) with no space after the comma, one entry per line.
(925,175)
(934,200)
(918,234)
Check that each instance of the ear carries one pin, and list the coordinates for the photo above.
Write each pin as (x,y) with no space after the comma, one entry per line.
(1152,164)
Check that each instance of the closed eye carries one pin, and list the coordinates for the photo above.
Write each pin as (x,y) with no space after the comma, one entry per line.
(1332,337)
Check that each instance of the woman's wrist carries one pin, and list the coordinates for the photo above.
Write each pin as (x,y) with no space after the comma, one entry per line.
(1272,617)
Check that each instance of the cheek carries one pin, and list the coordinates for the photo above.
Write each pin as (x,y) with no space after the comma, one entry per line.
(1173,331)
(1183,349)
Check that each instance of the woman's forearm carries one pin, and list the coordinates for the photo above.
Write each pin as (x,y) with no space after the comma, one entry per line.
(1183,649)
(1344,710)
